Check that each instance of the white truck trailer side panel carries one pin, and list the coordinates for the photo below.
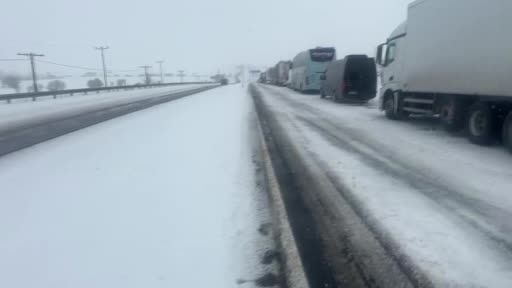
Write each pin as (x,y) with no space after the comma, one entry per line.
(459,47)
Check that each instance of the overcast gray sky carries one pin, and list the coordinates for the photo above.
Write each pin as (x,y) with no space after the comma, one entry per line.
(195,35)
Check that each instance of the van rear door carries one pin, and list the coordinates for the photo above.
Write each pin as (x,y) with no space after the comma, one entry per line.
(360,78)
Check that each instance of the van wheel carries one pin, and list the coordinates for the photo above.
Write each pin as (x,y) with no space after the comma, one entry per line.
(480,123)
(507,132)
(452,114)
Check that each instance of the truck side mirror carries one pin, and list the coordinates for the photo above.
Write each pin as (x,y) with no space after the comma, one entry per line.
(380,55)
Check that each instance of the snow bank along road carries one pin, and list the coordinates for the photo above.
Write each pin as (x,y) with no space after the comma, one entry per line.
(27,123)
(392,204)
(164,197)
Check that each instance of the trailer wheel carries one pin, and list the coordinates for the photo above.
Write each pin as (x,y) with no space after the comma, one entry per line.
(480,123)
(452,114)
(507,132)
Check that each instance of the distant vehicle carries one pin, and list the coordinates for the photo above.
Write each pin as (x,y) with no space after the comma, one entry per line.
(218,77)
(224,81)
(307,67)
(353,78)
(271,76)
(289,82)
(452,59)
(263,78)
(282,71)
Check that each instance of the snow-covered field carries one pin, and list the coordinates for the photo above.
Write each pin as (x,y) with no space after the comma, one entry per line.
(77,82)
(442,202)
(164,197)
(23,112)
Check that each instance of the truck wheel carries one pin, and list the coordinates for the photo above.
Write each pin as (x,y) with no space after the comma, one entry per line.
(389,109)
(480,123)
(322,93)
(507,132)
(452,114)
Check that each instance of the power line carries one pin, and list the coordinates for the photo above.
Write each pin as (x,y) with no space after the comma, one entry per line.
(121,71)
(83,68)
(69,66)
(13,60)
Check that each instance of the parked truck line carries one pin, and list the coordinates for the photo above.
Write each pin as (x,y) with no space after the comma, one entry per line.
(451,58)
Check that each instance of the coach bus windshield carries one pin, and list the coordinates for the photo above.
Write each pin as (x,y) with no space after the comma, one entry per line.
(322,55)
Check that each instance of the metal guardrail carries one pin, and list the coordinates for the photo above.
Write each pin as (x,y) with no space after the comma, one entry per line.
(33,95)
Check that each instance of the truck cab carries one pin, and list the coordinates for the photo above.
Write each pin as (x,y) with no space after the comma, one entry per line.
(391,63)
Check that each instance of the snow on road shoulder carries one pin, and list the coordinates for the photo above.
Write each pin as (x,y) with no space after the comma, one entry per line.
(150,199)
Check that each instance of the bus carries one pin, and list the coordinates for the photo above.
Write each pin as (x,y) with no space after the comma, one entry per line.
(308,66)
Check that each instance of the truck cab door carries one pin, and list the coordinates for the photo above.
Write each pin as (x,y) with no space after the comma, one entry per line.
(390,72)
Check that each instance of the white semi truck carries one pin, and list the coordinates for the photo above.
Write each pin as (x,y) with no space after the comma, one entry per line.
(452,58)
(283,69)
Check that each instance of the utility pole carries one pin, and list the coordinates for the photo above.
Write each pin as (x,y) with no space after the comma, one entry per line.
(33,66)
(146,67)
(161,71)
(103,48)
(181,73)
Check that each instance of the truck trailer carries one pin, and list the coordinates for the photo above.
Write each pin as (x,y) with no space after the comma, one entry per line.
(451,59)
(282,71)
(271,76)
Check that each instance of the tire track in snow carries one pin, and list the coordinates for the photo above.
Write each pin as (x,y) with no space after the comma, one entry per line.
(490,219)
(339,229)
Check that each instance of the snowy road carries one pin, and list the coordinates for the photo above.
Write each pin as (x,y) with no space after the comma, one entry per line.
(414,205)
(164,197)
